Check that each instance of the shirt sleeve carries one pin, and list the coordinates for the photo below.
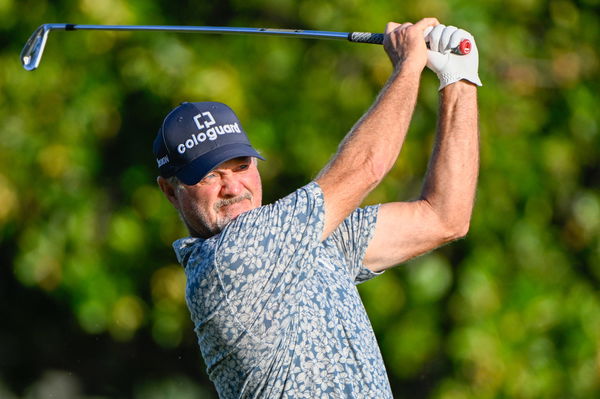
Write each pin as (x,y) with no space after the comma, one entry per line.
(352,237)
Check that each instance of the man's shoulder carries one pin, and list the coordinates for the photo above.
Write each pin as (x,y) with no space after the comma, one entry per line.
(191,247)
(308,196)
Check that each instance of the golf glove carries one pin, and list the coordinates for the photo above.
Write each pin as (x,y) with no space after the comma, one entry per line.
(450,67)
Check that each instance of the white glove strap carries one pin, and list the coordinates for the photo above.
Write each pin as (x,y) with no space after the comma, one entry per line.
(449,78)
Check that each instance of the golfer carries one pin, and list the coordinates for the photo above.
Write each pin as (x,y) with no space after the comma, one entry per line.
(272,288)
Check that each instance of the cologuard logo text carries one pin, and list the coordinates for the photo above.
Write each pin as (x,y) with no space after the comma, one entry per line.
(204,121)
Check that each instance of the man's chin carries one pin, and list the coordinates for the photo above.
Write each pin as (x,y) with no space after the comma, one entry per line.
(234,210)
(227,218)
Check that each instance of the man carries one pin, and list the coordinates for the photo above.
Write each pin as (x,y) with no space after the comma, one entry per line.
(271,289)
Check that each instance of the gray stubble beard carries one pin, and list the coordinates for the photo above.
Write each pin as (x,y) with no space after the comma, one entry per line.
(211,229)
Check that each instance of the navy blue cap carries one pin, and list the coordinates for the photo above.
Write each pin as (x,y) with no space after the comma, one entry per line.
(196,137)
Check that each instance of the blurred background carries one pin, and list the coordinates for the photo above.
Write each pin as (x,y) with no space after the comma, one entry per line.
(91,296)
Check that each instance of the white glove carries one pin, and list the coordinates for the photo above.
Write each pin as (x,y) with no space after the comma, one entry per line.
(450,67)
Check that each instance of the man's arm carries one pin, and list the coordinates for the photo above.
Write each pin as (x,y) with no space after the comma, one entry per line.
(443,212)
(369,151)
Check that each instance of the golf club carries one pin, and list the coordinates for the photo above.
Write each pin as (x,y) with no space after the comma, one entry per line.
(31,55)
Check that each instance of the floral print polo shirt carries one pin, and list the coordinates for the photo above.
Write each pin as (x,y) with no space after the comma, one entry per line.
(276,310)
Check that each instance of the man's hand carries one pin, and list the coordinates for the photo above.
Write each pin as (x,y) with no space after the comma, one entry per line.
(448,66)
(404,43)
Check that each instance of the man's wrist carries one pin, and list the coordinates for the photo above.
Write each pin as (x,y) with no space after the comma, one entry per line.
(408,68)
(459,91)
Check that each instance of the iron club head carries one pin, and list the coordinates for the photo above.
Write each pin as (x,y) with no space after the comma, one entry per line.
(31,54)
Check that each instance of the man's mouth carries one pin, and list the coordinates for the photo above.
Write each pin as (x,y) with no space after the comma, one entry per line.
(230,201)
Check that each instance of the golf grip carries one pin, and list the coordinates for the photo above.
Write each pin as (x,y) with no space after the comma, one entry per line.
(463,48)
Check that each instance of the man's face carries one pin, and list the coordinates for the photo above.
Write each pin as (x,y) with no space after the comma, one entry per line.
(232,188)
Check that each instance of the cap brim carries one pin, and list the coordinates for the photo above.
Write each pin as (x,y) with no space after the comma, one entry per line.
(195,171)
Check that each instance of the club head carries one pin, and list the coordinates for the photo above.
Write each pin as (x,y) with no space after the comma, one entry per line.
(31,55)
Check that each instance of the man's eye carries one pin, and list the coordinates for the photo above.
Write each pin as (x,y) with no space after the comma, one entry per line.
(243,166)
(208,177)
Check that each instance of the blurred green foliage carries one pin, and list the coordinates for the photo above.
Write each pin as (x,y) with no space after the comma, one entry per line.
(512,311)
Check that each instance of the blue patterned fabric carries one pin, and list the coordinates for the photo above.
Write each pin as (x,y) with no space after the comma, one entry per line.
(276,310)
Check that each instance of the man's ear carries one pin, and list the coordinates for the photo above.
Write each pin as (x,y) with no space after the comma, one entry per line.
(168,190)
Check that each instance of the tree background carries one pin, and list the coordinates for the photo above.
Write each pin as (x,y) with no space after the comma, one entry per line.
(91,297)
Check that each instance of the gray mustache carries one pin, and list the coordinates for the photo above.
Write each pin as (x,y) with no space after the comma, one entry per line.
(230,201)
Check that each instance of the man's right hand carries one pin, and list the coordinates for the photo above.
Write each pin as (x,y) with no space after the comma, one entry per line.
(405,45)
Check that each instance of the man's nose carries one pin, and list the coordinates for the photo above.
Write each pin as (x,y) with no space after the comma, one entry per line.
(230,186)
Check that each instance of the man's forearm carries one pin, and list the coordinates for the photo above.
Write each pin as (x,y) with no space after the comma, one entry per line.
(369,151)
(376,139)
(452,174)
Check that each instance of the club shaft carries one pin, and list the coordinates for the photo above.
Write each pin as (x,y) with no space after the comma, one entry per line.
(34,48)
(210,29)
(358,37)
